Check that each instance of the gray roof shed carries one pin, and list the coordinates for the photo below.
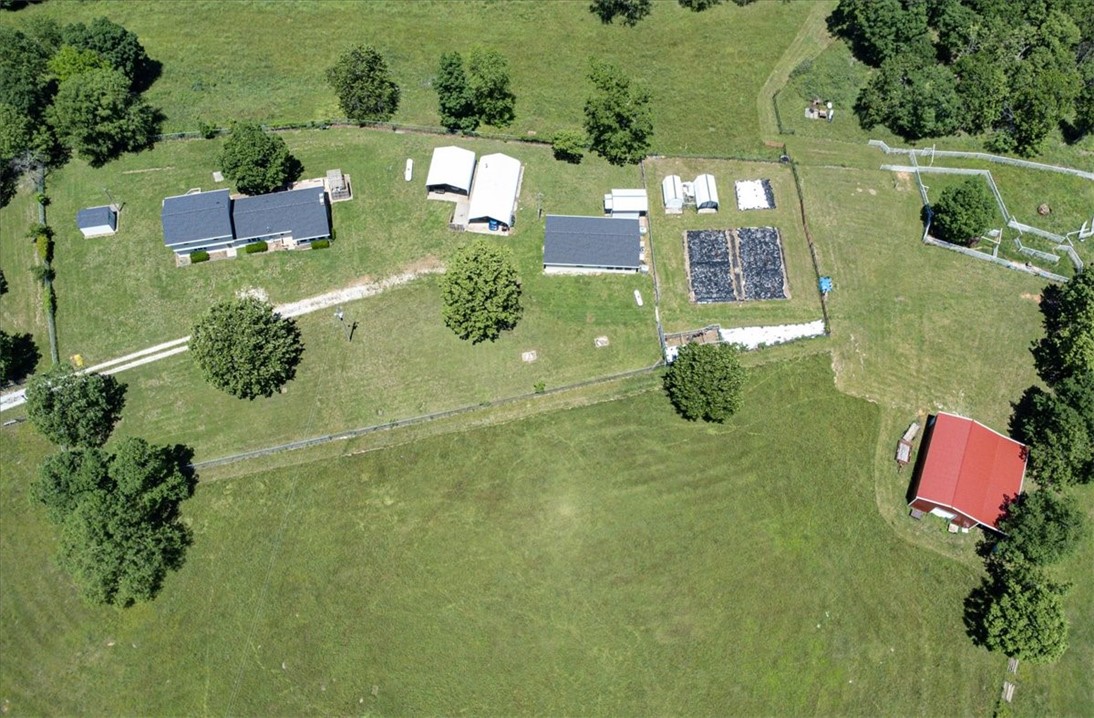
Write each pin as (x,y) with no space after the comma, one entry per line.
(97,220)
(607,242)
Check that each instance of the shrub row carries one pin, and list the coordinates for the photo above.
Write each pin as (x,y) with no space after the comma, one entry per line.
(255,248)
(320,244)
(199,256)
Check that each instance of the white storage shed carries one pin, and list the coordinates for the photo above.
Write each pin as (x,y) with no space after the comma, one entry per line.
(493,204)
(672,193)
(706,194)
(626,203)
(450,171)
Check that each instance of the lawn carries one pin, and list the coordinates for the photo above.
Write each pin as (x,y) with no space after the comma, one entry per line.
(678,313)
(610,560)
(265,61)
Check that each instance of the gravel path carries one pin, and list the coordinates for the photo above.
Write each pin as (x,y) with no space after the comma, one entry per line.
(18,397)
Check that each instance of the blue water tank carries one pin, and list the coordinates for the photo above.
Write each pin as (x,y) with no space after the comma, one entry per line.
(494,225)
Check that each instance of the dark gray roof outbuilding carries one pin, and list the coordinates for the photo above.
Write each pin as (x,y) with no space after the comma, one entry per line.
(607,242)
(196,217)
(97,217)
(301,213)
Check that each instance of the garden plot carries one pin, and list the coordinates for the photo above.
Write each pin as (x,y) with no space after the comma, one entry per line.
(710,268)
(735,265)
(754,194)
(762,263)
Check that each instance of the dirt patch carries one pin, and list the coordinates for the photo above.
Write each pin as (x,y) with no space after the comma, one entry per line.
(903,181)
(150,169)
(254,292)
(1031,297)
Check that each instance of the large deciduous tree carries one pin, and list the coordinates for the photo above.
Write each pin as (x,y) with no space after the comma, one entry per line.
(72,409)
(1067,348)
(963,212)
(1024,617)
(18,356)
(457,106)
(705,381)
(97,115)
(245,349)
(488,84)
(257,161)
(119,46)
(628,11)
(617,116)
(1058,426)
(119,517)
(481,292)
(1042,527)
(363,83)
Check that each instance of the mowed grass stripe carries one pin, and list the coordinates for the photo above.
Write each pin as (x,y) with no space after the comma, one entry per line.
(611,560)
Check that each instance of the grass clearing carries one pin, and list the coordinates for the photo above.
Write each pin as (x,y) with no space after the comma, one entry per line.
(680,314)
(265,61)
(482,571)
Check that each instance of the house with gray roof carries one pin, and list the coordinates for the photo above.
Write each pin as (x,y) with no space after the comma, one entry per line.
(210,221)
(591,245)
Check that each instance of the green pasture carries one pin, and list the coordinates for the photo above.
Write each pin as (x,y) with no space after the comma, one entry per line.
(265,61)
(609,560)
(678,313)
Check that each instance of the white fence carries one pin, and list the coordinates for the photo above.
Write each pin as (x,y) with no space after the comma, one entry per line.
(931,152)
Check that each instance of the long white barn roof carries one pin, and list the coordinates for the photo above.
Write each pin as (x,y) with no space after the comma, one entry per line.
(452,166)
(494,195)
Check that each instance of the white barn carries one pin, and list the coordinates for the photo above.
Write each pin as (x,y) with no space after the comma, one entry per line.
(451,171)
(494,194)
(706,194)
(626,203)
(672,194)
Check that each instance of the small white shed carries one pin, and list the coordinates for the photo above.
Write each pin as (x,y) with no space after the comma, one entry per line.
(672,193)
(706,194)
(450,171)
(626,203)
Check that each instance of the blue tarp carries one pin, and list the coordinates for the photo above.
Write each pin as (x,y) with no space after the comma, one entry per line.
(825,284)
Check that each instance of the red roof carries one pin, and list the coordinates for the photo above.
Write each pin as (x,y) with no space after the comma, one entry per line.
(971,468)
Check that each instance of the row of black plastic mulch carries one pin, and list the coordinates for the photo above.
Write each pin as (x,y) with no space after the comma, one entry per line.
(762,263)
(710,273)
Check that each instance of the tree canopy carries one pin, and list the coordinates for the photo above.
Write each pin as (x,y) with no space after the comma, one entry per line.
(119,517)
(1042,527)
(1067,314)
(72,409)
(18,356)
(117,45)
(257,161)
(242,347)
(488,84)
(96,115)
(618,121)
(363,83)
(628,11)
(1058,426)
(1025,616)
(481,292)
(963,212)
(705,381)
(457,106)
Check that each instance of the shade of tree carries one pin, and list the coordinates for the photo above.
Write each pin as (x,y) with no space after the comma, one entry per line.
(481,292)
(257,161)
(72,409)
(963,212)
(70,61)
(568,146)
(618,121)
(244,348)
(488,85)
(18,356)
(3,283)
(1042,527)
(361,79)
(1058,426)
(119,517)
(96,115)
(457,106)
(699,5)
(1067,314)
(628,11)
(119,46)
(1024,616)
(705,381)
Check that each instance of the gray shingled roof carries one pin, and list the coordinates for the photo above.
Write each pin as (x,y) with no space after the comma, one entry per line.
(592,242)
(96,217)
(195,217)
(300,212)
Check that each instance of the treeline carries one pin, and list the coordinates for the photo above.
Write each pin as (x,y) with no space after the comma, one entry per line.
(71,88)
(1013,69)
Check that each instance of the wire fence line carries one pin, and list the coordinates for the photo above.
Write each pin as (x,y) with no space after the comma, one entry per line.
(983,156)
(1027,268)
(413,420)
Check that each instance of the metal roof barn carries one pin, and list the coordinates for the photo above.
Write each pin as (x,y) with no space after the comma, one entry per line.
(451,170)
(588,245)
(495,189)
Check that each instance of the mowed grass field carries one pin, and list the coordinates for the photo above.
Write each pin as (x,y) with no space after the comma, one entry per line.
(678,313)
(266,61)
(610,560)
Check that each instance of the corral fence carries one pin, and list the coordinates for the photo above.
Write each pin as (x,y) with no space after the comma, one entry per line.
(983,156)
